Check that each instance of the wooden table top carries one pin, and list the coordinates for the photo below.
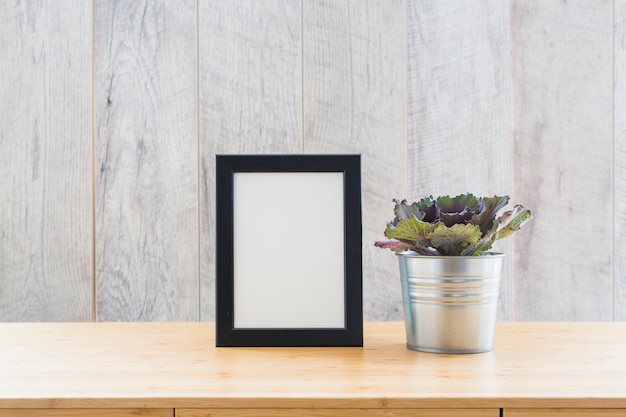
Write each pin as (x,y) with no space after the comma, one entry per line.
(83,365)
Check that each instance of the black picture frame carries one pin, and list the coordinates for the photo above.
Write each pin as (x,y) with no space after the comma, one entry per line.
(234,187)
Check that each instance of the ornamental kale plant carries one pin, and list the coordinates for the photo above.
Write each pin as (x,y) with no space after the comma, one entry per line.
(464,225)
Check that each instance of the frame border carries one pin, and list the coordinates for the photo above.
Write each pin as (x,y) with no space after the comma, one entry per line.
(226,332)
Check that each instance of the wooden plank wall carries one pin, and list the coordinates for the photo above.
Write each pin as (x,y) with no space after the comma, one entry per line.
(146,160)
(45,161)
(562,158)
(619,171)
(111,114)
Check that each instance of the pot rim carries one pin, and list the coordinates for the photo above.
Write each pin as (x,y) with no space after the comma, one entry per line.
(413,254)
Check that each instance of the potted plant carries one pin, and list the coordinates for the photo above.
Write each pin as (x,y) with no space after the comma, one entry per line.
(450,278)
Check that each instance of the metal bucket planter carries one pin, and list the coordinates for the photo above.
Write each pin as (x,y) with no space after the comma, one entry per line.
(450,302)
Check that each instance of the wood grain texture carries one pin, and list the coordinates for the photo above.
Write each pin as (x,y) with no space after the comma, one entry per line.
(562,158)
(458,104)
(420,89)
(619,156)
(147,176)
(564,412)
(176,365)
(349,412)
(88,412)
(250,98)
(355,102)
(45,161)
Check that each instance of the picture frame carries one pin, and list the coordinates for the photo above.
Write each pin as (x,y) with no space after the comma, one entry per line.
(288,250)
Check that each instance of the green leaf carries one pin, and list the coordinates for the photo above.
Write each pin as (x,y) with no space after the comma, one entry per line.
(424,210)
(453,240)
(508,223)
(410,230)
(485,219)
(459,209)
(404,211)
(484,244)
(427,206)
(512,221)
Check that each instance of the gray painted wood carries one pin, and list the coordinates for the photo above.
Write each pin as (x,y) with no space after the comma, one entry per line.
(562,158)
(619,174)
(250,98)
(146,161)
(420,89)
(355,102)
(45,161)
(458,104)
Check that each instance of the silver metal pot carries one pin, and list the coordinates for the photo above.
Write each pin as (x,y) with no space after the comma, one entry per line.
(450,302)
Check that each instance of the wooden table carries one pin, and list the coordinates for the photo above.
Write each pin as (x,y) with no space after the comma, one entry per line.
(166,369)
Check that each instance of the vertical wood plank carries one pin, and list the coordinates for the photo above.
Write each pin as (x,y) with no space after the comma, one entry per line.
(458,98)
(355,102)
(147,180)
(562,156)
(45,161)
(250,98)
(619,173)
(458,105)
